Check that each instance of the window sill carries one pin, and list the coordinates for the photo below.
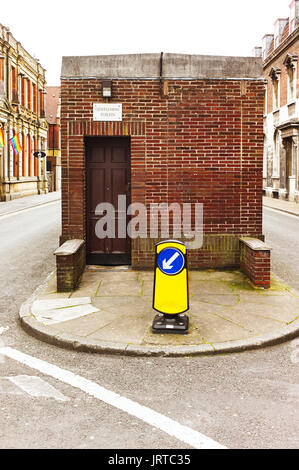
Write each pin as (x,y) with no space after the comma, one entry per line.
(24,179)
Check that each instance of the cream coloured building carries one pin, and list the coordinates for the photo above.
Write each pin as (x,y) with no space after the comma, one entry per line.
(280,53)
(22,113)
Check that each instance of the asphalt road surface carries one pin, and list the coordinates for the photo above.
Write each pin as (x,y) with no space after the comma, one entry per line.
(241,401)
(282,234)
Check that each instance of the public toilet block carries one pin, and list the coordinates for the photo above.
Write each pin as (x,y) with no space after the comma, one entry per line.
(160,129)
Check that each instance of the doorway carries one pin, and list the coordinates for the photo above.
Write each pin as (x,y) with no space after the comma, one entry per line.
(108,176)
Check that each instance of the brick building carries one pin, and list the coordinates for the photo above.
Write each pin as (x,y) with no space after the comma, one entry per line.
(53,140)
(182,129)
(280,53)
(22,113)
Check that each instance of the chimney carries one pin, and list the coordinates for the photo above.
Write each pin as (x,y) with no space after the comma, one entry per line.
(267,41)
(294,15)
(279,27)
(257,52)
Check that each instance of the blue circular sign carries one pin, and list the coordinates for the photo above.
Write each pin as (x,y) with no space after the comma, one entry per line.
(171,261)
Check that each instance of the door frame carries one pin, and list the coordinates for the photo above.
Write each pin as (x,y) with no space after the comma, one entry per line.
(107,259)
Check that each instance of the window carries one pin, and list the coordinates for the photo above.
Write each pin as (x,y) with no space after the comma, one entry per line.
(294,10)
(24,155)
(29,95)
(23,92)
(265,156)
(290,63)
(41,104)
(30,155)
(14,88)
(35,159)
(293,160)
(34,93)
(276,156)
(275,77)
(279,27)
(2,87)
(15,164)
(275,94)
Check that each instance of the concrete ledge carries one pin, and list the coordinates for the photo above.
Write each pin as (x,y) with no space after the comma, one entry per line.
(69,247)
(255,244)
(186,66)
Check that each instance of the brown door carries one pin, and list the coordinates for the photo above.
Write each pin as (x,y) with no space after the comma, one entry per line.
(107,178)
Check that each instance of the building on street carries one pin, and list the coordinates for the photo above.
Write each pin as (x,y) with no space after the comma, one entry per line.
(22,115)
(53,141)
(162,128)
(280,52)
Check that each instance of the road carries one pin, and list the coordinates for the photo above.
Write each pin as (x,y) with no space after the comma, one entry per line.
(282,234)
(246,400)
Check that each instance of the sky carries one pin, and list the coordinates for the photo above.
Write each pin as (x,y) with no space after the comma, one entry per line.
(56,28)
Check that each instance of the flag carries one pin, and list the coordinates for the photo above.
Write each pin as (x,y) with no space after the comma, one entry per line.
(15,143)
(1,138)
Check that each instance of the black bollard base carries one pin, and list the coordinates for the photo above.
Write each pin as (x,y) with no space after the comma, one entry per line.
(171,324)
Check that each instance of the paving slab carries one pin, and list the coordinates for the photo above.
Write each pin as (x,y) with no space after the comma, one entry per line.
(86,325)
(214,328)
(119,288)
(127,328)
(111,311)
(123,305)
(209,287)
(223,300)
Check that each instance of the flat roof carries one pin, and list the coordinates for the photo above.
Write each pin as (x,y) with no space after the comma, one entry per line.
(143,66)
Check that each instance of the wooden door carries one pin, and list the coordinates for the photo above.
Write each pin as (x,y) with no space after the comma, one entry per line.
(107,177)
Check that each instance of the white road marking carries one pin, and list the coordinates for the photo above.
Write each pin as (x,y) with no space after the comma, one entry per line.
(173,428)
(36,387)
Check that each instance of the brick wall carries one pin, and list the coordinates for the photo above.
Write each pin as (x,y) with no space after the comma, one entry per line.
(69,269)
(203,142)
(256,265)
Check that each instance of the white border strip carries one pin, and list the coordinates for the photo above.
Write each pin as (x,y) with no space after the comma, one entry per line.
(149,416)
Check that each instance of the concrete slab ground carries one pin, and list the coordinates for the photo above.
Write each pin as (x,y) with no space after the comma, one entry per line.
(111,311)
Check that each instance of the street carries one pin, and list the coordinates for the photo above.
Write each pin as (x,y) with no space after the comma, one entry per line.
(247,400)
(282,234)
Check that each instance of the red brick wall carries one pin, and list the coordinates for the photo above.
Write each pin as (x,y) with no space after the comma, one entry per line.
(256,265)
(202,143)
(69,269)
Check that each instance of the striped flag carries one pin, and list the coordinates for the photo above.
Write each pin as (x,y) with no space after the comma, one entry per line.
(15,143)
(1,138)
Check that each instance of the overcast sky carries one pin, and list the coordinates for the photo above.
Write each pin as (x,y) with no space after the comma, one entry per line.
(50,30)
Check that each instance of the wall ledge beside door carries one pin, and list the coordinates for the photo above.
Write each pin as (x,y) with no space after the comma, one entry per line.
(70,264)
(255,261)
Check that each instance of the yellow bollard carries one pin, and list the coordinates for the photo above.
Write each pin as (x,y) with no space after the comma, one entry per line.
(170,296)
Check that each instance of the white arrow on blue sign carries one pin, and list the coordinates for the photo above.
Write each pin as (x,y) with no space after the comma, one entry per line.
(171,261)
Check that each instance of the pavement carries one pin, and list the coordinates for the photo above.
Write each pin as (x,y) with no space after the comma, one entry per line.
(281,205)
(24,203)
(111,312)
